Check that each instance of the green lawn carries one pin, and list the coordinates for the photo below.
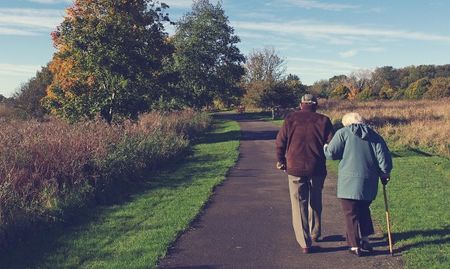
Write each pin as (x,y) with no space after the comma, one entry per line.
(419,197)
(137,232)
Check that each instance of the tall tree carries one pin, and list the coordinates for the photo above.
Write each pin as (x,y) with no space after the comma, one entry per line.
(266,83)
(439,88)
(206,55)
(109,59)
(264,65)
(30,95)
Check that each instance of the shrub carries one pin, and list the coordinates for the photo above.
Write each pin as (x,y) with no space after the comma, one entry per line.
(417,89)
(439,88)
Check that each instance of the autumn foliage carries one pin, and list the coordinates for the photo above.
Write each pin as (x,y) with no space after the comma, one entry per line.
(109,59)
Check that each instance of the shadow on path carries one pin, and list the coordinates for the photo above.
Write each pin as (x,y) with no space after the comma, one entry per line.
(429,238)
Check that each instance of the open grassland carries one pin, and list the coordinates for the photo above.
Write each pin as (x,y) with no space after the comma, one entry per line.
(420,187)
(423,124)
(50,169)
(419,191)
(418,203)
(138,231)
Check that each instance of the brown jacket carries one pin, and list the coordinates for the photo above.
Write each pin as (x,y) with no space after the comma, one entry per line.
(300,142)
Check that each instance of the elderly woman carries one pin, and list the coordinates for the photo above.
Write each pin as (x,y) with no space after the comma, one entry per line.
(364,158)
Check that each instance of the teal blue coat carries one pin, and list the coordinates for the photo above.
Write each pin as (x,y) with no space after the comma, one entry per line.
(364,157)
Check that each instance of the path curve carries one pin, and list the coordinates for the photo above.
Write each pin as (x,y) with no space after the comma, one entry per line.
(247,223)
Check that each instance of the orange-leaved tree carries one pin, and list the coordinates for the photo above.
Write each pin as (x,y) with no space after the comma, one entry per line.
(109,59)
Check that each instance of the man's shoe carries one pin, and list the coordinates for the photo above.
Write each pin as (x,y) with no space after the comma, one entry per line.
(366,246)
(306,250)
(356,251)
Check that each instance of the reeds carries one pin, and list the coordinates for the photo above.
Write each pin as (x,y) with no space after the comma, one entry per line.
(423,124)
(48,167)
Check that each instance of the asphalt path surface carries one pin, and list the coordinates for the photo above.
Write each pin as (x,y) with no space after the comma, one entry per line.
(247,222)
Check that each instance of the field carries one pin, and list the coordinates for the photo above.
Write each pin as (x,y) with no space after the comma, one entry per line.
(417,134)
(50,169)
(116,232)
(422,124)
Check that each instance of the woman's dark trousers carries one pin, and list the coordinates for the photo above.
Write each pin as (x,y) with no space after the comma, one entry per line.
(358,221)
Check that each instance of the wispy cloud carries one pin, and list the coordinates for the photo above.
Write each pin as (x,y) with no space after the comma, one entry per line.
(18,69)
(17,21)
(328,63)
(12,31)
(348,53)
(318,30)
(313,4)
(179,3)
(315,69)
(50,1)
(354,52)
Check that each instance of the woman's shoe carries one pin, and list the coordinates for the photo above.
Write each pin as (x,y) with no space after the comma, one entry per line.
(366,246)
(355,251)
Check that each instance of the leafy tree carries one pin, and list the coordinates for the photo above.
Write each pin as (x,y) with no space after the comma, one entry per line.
(438,88)
(320,88)
(383,76)
(294,85)
(365,94)
(109,59)
(341,92)
(206,56)
(264,65)
(266,84)
(417,89)
(30,95)
(356,82)
(337,80)
(387,92)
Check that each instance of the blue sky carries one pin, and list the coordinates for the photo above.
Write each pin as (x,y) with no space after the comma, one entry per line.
(317,38)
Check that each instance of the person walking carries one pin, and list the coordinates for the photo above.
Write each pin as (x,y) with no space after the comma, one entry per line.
(364,157)
(299,148)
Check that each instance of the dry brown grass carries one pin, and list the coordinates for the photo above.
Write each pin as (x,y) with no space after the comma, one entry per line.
(46,167)
(421,124)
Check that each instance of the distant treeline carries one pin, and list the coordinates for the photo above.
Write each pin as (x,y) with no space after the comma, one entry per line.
(412,82)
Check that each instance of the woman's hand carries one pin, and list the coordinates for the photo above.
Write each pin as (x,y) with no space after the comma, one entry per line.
(385,178)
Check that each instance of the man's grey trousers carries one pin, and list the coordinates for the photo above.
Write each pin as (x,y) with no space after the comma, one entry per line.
(306,201)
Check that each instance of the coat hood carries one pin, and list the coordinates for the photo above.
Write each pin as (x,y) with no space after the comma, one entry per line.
(361,130)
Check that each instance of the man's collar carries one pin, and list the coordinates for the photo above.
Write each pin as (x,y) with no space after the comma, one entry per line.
(308,107)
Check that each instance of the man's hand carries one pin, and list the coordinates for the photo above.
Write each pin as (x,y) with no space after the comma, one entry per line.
(281,166)
(384,178)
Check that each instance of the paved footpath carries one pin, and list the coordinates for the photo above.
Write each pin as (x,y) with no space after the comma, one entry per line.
(247,223)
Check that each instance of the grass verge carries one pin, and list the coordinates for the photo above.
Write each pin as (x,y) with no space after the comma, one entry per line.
(138,231)
(418,202)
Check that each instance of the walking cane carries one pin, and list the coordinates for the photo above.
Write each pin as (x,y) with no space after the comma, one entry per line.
(387,220)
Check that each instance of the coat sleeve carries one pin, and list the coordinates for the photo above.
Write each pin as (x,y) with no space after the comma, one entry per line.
(281,143)
(335,149)
(329,131)
(383,156)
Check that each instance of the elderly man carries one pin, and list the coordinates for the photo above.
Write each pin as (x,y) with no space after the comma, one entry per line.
(299,146)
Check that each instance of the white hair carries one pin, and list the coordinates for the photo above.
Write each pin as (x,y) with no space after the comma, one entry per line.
(352,118)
